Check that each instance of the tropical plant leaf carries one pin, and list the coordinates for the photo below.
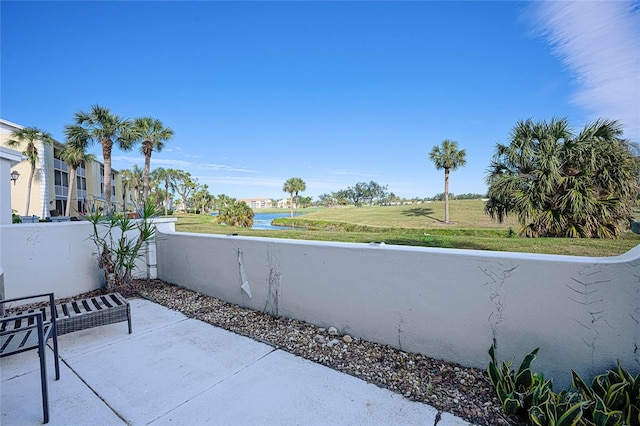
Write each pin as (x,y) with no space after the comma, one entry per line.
(524,380)
(537,416)
(526,362)
(571,417)
(580,385)
(510,406)
(494,374)
(633,415)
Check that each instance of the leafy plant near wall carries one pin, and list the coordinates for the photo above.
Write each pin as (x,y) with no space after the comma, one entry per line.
(117,249)
(613,399)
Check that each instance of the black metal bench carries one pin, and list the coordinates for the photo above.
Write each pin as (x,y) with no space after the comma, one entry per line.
(22,332)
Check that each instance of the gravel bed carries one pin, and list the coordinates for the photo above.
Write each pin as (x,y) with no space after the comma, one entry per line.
(465,392)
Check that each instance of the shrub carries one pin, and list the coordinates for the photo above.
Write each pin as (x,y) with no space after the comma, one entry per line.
(613,399)
(117,251)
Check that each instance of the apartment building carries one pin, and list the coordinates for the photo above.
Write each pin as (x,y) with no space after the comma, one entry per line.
(258,203)
(50,185)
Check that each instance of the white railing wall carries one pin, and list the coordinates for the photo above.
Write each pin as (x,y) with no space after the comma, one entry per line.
(448,304)
(583,313)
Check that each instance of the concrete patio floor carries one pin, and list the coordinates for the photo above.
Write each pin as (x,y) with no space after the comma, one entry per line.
(181,371)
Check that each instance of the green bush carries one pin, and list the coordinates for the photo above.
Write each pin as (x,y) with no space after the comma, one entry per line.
(613,399)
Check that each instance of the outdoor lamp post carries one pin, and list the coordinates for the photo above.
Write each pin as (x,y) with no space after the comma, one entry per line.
(14,177)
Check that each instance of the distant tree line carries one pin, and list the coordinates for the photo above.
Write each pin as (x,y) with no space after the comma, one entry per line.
(362,193)
(469,196)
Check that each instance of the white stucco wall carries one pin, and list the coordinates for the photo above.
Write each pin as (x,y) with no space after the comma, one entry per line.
(59,258)
(448,304)
(45,257)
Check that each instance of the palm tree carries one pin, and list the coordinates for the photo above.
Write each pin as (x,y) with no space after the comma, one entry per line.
(153,135)
(131,180)
(293,186)
(561,184)
(30,136)
(447,157)
(161,175)
(101,126)
(74,155)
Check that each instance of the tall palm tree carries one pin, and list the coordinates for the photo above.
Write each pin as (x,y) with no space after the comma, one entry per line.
(30,137)
(447,157)
(294,186)
(161,175)
(153,135)
(101,126)
(74,155)
(562,184)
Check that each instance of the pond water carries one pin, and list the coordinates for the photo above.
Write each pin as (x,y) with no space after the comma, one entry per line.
(263,220)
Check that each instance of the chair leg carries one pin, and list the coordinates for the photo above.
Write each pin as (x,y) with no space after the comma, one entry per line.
(43,380)
(129,317)
(56,357)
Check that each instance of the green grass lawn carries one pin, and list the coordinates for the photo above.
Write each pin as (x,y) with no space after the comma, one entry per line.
(417,225)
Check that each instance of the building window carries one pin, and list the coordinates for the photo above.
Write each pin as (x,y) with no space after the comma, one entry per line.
(61,207)
(113,182)
(61,184)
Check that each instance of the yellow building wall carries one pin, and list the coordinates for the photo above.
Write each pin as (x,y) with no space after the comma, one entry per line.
(19,187)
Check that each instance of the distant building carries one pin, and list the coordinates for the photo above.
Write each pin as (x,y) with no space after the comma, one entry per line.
(258,203)
(284,203)
(51,182)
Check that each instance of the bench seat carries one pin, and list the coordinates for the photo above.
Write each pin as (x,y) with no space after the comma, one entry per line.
(86,313)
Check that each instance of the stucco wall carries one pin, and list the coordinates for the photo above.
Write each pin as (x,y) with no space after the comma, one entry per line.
(448,304)
(44,257)
(59,258)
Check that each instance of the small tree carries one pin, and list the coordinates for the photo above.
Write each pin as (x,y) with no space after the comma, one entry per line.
(74,156)
(294,186)
(447,157)
(183,184)
(236,213)
(153,135)
(119,241)
(132,181)
(163,176)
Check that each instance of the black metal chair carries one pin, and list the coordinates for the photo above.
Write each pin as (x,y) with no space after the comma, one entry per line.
(31,329)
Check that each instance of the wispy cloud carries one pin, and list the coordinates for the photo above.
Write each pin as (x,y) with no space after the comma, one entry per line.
(182,164)
(240,180)
(212,166)
(339,172)
(600,43)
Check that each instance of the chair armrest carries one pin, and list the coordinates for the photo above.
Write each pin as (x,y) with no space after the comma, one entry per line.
(29,297)
(38,323)
(51,302)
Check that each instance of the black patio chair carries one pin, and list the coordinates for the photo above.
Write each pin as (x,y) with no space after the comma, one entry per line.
(25,330)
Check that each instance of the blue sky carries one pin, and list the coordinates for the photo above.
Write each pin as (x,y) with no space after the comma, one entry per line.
(332,92)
